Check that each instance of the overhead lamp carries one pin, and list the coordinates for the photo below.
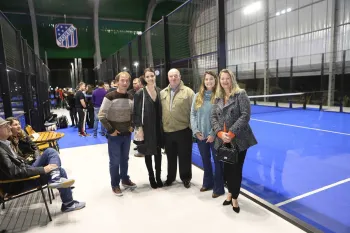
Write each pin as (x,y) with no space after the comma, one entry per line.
(252,8)
(278,13)
(136,64)
(283,11)
(289,9)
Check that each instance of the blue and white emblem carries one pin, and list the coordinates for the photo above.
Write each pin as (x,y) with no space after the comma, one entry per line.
(66,35)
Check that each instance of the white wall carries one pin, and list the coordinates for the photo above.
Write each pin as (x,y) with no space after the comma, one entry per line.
(303,33)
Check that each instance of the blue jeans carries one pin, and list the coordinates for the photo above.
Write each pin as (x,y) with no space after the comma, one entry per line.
(51,156)
(118,150)
(96,120)
(211,180)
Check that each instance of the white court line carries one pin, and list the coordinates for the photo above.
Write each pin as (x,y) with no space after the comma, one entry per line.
(312,192)
(303,127)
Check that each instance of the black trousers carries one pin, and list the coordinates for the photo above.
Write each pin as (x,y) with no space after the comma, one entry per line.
(82,119)
(90,118)
(179,145)
(73,116)
(233,175)
(157,161)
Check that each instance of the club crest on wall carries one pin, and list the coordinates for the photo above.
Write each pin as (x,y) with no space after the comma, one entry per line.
(66,35)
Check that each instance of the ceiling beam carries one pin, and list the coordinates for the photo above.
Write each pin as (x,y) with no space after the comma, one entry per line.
(78,17)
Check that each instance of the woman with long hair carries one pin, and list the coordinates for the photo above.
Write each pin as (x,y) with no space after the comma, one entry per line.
(230,122)
(147,116)
(202,131)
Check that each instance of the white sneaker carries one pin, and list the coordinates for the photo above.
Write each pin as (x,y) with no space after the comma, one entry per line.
(61,183)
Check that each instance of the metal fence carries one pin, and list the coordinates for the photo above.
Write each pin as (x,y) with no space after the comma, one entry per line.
(187,39)
(24,79)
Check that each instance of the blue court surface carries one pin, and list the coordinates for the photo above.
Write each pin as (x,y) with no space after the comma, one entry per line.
(301,164)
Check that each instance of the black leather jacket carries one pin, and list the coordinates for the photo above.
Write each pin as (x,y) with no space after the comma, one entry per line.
(14,168)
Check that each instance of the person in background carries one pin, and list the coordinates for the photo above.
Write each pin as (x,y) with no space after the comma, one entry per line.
(47,165)
(201,129)
(80,105)
(113,86)
(149,123)
(116,116)
(230,121)
(176,109)
(136,85)
(106,86)
(97,98)
(89,107)
(71,108)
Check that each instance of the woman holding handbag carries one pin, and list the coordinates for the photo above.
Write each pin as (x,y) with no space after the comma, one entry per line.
(230,122)
(147,118)
(201,128)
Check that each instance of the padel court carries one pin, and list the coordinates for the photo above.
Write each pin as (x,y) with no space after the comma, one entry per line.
(301,164)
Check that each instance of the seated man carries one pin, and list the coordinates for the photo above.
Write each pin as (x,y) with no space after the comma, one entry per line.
(13,166)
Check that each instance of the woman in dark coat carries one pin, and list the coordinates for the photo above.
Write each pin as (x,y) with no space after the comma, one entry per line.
(230,121)
(150,126)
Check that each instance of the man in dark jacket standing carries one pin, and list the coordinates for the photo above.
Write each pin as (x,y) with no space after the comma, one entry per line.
(13,167)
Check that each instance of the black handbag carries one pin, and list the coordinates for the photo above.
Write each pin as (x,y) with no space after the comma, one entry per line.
(228,153)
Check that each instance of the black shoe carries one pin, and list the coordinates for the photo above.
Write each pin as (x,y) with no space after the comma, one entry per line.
(167,183)
(187,184)
(153,183)
(227,202)
(159,183)
(236,209)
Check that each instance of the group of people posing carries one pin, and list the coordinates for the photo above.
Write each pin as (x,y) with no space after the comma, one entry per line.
(170,119)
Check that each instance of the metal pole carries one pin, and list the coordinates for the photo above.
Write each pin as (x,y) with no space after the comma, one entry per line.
(34,27)
(148,39)
(256,82)
(130,60)
(113,65)
(277,81)
(333,52)
(164,81)
(46,62)
(342,81)
(266,49)
(139,52)
(97,33)
(118,62)
(291,76)
(221,34)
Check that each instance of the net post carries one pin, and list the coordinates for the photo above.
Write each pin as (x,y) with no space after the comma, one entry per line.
(304,104)
(276,102)
(290,104)
(342,82)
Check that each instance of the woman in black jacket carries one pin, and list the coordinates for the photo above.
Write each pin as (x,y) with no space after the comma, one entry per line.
(149,125)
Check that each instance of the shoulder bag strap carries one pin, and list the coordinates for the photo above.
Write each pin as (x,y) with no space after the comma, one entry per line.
(143,104)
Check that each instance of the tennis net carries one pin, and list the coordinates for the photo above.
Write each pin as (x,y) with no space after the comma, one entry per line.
(278,102)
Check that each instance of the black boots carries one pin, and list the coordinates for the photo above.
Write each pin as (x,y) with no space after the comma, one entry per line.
(159,180)
(153,182)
